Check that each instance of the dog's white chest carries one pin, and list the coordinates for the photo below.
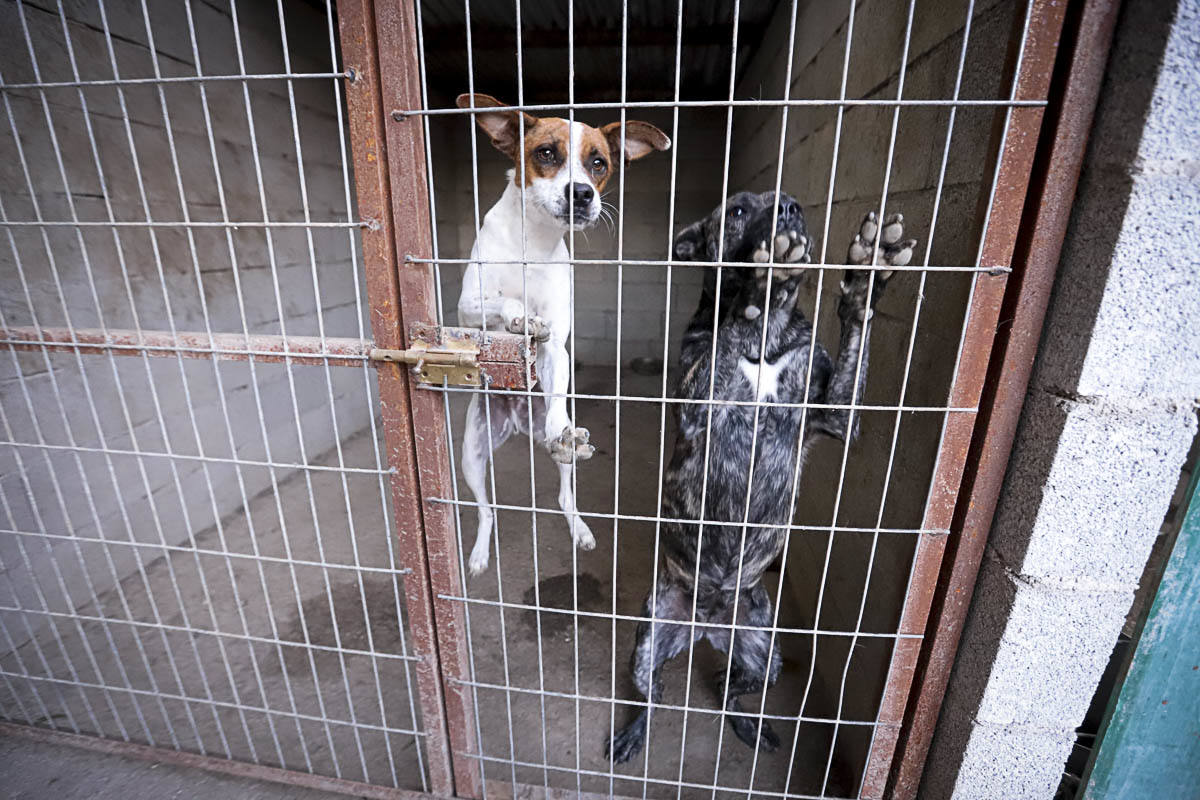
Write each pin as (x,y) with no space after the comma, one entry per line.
(764,375)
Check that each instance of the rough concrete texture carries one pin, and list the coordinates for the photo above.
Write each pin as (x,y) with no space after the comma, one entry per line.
(1107,424)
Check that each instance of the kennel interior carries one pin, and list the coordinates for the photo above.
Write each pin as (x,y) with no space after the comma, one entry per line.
(198,540)
(544,681)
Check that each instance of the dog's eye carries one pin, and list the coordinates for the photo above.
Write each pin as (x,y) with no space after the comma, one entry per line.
(736,211)
(544,154)
(598,165)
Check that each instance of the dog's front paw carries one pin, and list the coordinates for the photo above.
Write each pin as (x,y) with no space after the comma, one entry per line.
(538,328)
(788,247)
(894,251)
(478,562)
(571,445)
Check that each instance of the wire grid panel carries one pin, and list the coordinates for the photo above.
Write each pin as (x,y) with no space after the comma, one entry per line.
(851,108)
(197,554)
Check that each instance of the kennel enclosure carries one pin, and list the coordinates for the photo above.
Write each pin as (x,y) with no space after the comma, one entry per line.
(230,531)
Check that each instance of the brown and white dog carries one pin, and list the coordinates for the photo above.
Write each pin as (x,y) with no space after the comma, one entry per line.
(519,280)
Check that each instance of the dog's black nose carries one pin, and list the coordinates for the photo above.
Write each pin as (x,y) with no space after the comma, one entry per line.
(789,209)
(580,193)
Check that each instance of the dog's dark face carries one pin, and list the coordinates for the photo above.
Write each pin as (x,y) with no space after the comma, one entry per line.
(748,220)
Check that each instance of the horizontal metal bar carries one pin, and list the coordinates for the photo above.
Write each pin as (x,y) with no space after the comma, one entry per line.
(667,706)
(635,262)
(205,701)
(224,766)
(688,622)
(244,637)
(830,103)
(185,457)
(194,344)
(66,223)
(205,552)
(648,518)
(265,76)
(703,401)
(675,784)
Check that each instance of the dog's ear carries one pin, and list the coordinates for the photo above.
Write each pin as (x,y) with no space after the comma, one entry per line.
(503,126)
(691,242)
(641,138)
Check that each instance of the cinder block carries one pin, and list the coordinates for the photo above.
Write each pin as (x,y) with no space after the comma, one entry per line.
(1041,649)
(1059,524)
(1004,762)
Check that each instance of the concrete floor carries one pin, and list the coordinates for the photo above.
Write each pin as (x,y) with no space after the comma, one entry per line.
(620,568)
(551,652)
(31,770)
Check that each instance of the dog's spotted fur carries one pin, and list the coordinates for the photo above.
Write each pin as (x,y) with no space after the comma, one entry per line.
(705,559)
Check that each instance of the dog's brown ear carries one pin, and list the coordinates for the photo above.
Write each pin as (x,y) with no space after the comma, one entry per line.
(503,126)
(641,138)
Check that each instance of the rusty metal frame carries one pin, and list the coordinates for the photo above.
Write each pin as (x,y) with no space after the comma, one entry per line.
(412,298)
(1019,137)
(379,49)
(338,352)
(1073,97)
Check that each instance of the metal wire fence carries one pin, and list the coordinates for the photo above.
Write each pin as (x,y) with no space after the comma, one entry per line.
(226,530)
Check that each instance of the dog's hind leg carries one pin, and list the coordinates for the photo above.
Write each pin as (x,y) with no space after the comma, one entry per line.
(750,668)
(477,449)
(656,644)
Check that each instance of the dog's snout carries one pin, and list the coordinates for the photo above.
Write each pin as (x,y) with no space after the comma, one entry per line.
(789,209)
(580,194)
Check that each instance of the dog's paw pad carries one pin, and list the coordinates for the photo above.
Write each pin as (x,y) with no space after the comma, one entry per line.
(761,254)
(893,249)
(571,445)
(538,328)
(752,312)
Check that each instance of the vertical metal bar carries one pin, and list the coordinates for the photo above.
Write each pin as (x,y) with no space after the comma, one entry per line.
(379,44)
(241,305)
(887,175)
(1043,228)
(370,411)
(1014,165)
(252,131)
(733,48)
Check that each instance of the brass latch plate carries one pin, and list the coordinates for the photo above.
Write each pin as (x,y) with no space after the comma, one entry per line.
(465,357)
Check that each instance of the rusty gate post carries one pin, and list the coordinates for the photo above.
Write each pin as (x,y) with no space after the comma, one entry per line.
(393,201)
(400,87)
(1020,136)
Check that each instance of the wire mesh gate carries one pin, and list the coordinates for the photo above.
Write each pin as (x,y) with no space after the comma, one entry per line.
(220,558)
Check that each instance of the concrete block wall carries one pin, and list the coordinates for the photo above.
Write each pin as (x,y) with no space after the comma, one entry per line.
(1107,425)
(876,52)
(125,404)
(699,149)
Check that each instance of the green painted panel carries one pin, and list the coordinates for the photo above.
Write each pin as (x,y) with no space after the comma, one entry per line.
(1150,747)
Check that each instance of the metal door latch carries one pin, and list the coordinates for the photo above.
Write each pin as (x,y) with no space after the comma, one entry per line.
(465,357)
(455,359)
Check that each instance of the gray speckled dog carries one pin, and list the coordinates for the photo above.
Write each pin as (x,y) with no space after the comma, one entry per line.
(778,375)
